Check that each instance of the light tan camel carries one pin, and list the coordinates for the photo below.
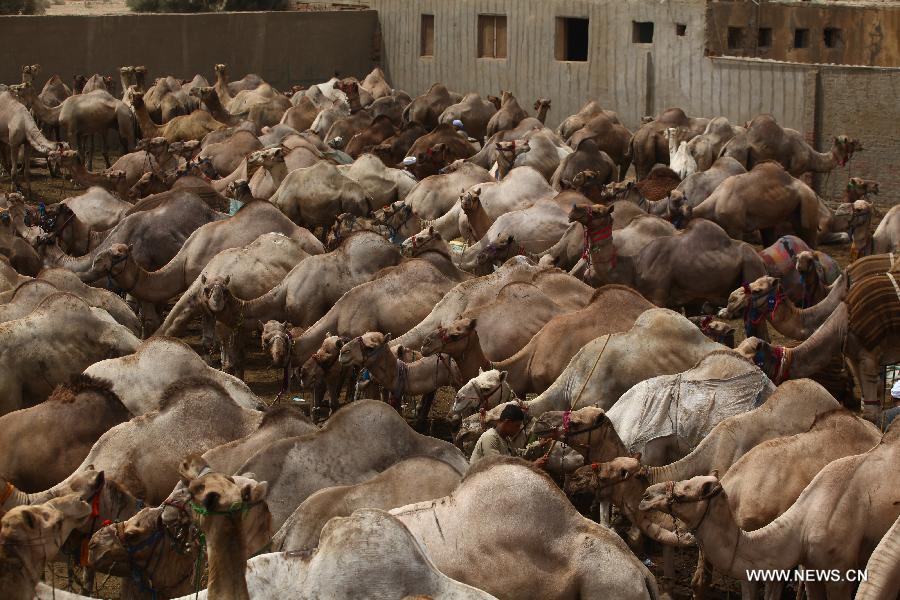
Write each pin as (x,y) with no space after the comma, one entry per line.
(19,134)
(180,129)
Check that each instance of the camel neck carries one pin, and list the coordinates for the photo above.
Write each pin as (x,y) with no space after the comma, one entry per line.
(471,358)
(54,257)
(733,551)
(822,162)
(627,496)
(45,113)
(227,564)
(149,129)
(542,114)
(479,222)
(861,237)
(18,578)
(600,249)
(815,354)
(517,368)
(152,286)
(384,369)
(798,323)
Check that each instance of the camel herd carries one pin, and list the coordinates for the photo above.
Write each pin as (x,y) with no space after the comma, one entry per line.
(378,250)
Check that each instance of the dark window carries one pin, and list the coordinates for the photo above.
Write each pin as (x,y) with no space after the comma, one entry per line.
(642,32)
(764,37)
(801,38)
(491,36)
(426,47)
(680,29)
(571,39)
(735,37)
(833,37)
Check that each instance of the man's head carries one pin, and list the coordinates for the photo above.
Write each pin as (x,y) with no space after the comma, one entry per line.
(511,420)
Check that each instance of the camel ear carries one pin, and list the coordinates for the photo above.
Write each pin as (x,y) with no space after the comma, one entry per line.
(227,279)
(611,207)
(715,473)
(510,239)
(503,375)
(203,279)
(480,370)
(286,325)
(261,325)
(255,493)
(636,456)
(430,230)
(339,344)
(387,338)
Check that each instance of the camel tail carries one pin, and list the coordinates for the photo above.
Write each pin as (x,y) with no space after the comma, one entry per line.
(37,140)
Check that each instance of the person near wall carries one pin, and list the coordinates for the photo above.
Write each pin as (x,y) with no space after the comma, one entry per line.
(506,438)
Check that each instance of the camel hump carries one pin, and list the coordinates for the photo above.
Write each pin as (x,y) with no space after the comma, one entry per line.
(62,302)
(175,392)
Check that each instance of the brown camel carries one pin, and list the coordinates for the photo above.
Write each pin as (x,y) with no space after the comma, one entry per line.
(89,406)
(206,242)
(882,571)
(587,157)
(739,207)
(508,116)
(610,136)
(766,140)
(565,334)
(649,145)
(474,113)
(437,149)
(427,108)
(324,374)
(180,129)
(380,129)
(807,532)
(573,123)
(422,377)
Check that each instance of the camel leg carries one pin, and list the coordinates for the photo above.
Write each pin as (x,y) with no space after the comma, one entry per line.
(772,590)
(769,236)
(815,590)
(208,329)
(423,410)
(870,383)
(150,319)
(749,590)
(26,167)
(702,576)
(13,167)
(104,149)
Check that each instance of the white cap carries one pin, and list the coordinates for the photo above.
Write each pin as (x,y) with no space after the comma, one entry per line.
(457,123)
(895,391)
(409,161)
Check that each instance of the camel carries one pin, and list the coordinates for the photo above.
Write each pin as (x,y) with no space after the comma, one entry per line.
(382,184)
(764,298)
(26,297)
(565,333)
(522,188)
(19,132)
(443,526)
(206,242)
(766,140)
(90,407)
(737,207)
(427,108)
(412,480)
(539,149)
(111,181)
(533,229)
(804,274)
(33,534)
(697,187)
(436,150)
(261,103)
(194,415)
(139,379)
(566,291)
(610,137)
(587,157)
(301,115)
(806,532)
(180,129)
(477,220)
(247,272)
(346,127)
(649,145)
(77,336)
(153,558)
(422,281)
(483,392)
(660,342)
(376,84)
(167,99)
(378,130)
(226,156)
(421,377)
(315,195)
(393,150)
(573,123)
(98,208)
(507,117)
(665,269)
(149,155)
(294,466)
(859,226)
(311,288)
(882,581)
(324,374)
(887,235)
(700,152)
(474,113)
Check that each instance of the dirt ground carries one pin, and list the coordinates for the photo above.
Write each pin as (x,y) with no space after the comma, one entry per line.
(266,383)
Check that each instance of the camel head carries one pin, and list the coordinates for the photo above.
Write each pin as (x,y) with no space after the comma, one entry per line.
(684,499)
(267,158)
(113,260)
(137,98)
(24,93)
(542,104)
(470,199)
(127,73)
(594,216)
(861,212)
(449,339)
(510,150)
(587,179)
(596,477)
(205,94)
(221,69)
(506,96)
(588,426)
(78,83)
(857,188)
(314,369)
(349,86)
(407,354)
(185,150)
(844,147)
(678,209)
(717,331)
(29,72)
(142,186)
(158,146)
(31,534)
(770,359)
(494,100)
(118,547)
(755,295)
(499,250)
(213,293)
(484,391)
(394,215)
(425,240)
(278,340)
(436,156)
(362,349)
(806,262)
(115,177)
(240,191)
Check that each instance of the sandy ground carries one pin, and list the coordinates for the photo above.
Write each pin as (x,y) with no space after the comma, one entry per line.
(88,7)
(266,382)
